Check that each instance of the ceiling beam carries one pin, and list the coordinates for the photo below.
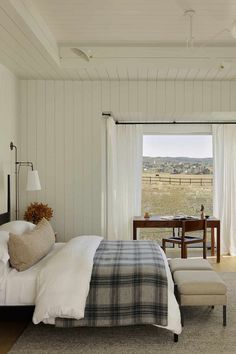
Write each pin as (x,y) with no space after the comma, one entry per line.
(115,52)
(151,57)
(31,23)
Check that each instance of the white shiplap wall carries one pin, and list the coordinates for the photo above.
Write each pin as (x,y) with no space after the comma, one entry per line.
(8,128)
(63,133)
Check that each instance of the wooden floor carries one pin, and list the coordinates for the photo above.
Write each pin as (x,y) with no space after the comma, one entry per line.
(227,264)
(11,330)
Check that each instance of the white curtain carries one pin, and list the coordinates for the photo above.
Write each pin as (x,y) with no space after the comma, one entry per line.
(124,178)
(224,151)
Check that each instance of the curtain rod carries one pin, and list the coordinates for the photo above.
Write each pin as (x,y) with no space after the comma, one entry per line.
(174,122)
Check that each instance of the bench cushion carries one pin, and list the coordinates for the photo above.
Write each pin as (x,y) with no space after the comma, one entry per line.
(203,300)
(199,283)
(189,264)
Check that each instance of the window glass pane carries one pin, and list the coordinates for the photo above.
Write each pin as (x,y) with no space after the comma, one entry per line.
(177,177)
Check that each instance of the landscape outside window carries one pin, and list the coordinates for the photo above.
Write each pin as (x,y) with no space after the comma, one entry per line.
(177,177)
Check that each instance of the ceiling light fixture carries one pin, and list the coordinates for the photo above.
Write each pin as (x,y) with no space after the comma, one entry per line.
(233,29)
(82,54)
(190,14)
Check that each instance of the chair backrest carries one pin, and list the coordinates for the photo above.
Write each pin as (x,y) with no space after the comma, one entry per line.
(194,225)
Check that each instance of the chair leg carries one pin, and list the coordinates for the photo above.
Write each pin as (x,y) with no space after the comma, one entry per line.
(224,315)
(185,251)
(182,251)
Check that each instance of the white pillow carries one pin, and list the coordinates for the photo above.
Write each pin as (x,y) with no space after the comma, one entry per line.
(4,269)
(4,255)
(17,227)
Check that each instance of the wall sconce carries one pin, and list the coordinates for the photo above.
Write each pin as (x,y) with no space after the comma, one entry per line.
(33,182)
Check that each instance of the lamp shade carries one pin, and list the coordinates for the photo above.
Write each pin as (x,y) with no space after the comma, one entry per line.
(33,182)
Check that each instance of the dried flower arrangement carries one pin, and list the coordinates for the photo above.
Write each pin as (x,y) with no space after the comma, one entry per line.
(36,211)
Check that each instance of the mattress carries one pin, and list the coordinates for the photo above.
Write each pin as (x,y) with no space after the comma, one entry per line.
(19,288)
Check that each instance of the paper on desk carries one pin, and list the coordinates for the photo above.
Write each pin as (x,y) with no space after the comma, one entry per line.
(167,217)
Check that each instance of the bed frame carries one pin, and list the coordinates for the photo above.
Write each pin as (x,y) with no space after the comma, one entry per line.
(12,312)
(6,217)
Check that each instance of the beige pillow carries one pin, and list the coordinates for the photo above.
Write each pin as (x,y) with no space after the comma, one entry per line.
(27,249)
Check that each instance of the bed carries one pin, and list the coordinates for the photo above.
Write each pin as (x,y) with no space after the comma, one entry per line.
(19,289)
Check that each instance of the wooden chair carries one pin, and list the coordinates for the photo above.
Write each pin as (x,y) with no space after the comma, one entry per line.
(184,240)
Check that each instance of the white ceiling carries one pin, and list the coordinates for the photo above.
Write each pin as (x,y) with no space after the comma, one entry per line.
(128,39)
(136,21)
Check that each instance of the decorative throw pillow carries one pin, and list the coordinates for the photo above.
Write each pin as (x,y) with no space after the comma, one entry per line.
(16,227)
(27,249)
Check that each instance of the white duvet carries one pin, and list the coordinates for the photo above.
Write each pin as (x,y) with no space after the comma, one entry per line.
(63,283)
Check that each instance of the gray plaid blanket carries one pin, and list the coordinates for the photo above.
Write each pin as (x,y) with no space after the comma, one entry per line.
(128,286)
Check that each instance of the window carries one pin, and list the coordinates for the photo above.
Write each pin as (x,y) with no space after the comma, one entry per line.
(177,177)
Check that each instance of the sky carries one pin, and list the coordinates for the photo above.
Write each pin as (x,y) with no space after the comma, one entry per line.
(177,145)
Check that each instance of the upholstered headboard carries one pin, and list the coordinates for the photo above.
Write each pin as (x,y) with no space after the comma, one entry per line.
(5,217)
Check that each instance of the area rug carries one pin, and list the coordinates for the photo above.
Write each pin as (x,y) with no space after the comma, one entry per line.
(202,333)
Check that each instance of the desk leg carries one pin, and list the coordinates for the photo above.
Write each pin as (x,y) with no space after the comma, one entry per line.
(212,241)
(218,244)
(134,232)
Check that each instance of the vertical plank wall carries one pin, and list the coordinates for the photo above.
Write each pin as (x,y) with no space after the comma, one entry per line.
(8,128)
(62,132)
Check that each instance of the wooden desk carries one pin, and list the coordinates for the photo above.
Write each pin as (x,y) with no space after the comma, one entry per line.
(158,222)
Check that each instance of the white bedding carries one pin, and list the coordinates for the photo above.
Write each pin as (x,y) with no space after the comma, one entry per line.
(174,318)
(63,283)
(19,288)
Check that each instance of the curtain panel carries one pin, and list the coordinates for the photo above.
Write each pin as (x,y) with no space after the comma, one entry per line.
(124,178)
(224,152)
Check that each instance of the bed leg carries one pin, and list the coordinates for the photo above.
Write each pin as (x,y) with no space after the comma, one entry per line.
(176,337)
(182,316)
(224,315)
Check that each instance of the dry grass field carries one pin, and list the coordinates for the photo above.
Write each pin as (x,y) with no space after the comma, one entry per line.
(163,198)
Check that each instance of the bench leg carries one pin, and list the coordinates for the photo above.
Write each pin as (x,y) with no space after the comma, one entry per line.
(176,292)
(164,245)
(224,315)
(177,296)
(176,337)
(182,316)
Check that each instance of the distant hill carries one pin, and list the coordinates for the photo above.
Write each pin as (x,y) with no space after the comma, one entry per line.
(176,160)
(178,165)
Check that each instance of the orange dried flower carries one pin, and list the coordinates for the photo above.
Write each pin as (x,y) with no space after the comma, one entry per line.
(36,211)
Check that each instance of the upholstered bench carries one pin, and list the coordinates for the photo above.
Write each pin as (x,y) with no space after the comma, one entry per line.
(200,288)
(189,264)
